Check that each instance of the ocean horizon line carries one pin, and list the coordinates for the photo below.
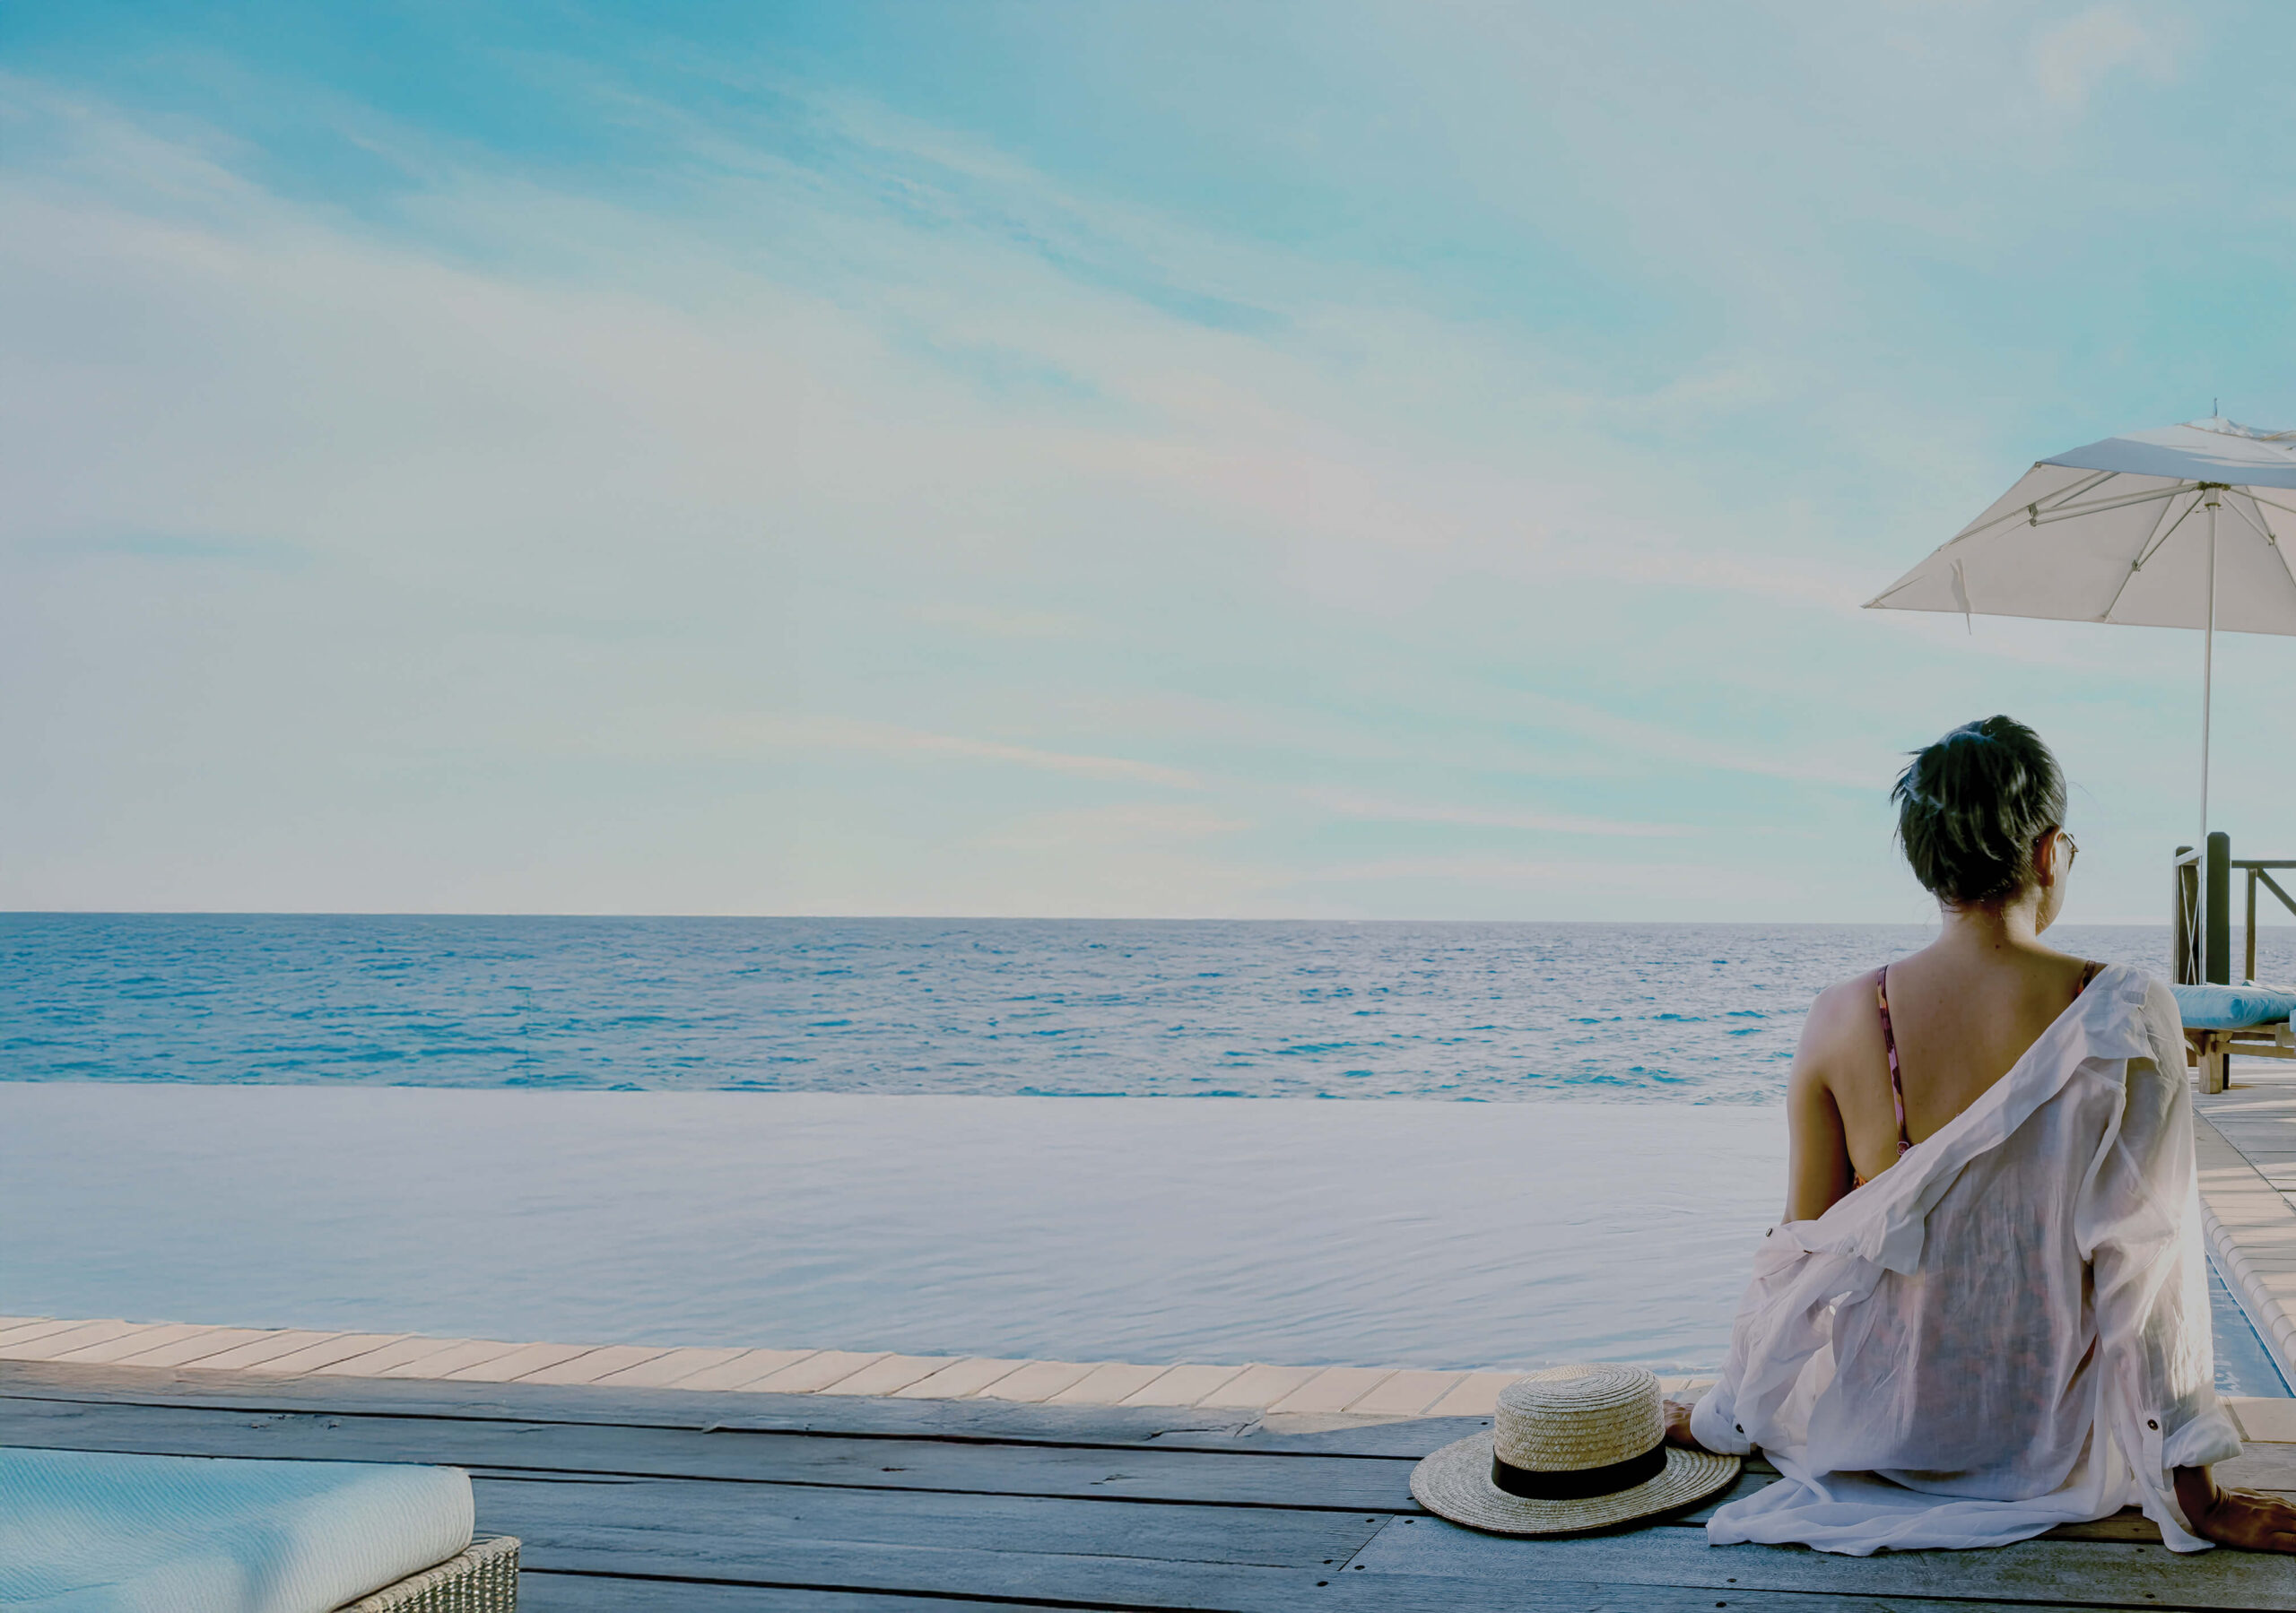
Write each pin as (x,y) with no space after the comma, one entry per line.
(1035,918)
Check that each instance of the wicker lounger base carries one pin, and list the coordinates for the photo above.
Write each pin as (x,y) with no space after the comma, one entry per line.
(483,1579)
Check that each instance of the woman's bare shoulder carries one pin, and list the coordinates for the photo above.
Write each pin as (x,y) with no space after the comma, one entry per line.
(1845,1017)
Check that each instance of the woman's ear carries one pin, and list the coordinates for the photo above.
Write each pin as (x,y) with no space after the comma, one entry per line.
(2045,859)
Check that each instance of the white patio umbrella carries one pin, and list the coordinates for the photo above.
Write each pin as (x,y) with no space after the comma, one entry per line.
(2185,526)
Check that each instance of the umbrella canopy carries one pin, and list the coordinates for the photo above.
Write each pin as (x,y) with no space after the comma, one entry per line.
(2119,532)
(2185,526)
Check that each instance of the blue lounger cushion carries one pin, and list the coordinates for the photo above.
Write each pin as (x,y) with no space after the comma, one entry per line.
(2233,1007)
(97,1531)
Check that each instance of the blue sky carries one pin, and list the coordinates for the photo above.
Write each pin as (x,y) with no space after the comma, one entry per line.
(1073,459)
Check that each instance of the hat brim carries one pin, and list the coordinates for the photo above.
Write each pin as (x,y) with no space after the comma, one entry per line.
(1455,1483)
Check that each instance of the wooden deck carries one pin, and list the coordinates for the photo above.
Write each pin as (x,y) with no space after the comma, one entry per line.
(2246,1140)
(686,1501)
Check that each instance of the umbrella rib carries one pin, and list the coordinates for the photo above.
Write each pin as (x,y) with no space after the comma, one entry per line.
(2274,503)
(2027,510)
(2154,546)
(2033,516)
(2261,530)
(2264,530)
(2055,500)
(2074,511)
(2151,547)
(2022,512)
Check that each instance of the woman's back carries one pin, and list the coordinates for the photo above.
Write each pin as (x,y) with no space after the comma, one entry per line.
(1961,1017)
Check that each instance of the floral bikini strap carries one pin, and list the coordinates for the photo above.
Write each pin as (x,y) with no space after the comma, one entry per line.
(1889,1041)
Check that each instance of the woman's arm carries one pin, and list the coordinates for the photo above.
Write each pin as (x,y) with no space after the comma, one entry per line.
(1817,1173)
(2242,1518)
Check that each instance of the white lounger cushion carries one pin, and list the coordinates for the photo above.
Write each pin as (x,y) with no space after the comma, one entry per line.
(92,1531)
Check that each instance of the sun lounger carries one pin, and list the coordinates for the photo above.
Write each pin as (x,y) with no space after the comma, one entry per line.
(100,1531)
(484,1579)
(2222,1019)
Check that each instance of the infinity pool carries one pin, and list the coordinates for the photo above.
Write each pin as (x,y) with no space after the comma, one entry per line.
(1369,1233)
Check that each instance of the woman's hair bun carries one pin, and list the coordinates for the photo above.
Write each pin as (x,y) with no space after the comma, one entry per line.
(1971,807)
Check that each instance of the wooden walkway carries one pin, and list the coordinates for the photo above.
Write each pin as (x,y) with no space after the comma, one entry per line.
(699,1502)
(2246,1144)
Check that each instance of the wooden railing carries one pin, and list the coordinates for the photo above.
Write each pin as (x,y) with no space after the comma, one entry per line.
(2202,952)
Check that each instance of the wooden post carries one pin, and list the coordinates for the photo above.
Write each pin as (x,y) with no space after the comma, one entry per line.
(2217,912)
(2215,1063)
(2184,904)
(2251,973)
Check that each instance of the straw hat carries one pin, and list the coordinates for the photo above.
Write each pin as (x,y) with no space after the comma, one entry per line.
(1572,1448)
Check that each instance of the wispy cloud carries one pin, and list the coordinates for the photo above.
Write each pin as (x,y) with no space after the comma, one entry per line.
(1397,811)
(2071,58)
(1123,824)
(178,548)
(888,738)
(1749,752)
(1480,870)
(995,622)
(1618,883)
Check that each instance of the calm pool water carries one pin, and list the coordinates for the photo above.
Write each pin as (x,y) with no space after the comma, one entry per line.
(1086,1229)
(1411,1233)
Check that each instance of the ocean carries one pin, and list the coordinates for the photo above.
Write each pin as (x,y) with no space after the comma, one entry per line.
(1083,1140)
(1645,1013)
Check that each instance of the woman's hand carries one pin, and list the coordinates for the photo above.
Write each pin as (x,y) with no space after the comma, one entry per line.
(2242,1518)
(1678,1424)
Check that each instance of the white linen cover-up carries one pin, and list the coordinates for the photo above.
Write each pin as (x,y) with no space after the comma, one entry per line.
(2006,1331)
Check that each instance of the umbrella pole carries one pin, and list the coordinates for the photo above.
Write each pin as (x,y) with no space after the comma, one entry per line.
(2208,669)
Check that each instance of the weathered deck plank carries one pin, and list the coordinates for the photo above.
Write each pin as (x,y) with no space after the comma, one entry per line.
(2100,1572)
(541,1591)
(1344,1483)
(1537,1576)
(750,1529)
(550,1592)
(644,1498)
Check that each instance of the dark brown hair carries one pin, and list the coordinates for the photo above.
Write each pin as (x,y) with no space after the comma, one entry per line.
(1972,806)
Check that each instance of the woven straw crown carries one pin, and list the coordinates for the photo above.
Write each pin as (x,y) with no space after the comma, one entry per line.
(1563,1418)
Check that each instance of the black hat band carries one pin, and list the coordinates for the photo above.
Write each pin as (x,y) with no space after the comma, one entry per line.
(1576,1484)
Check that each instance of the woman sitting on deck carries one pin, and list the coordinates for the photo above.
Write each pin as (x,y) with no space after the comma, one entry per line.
(1986,1312)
